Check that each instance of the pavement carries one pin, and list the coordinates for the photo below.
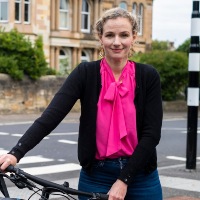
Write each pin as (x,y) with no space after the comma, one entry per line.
(177,182)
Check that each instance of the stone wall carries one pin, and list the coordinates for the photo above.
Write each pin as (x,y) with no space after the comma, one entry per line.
(27,96)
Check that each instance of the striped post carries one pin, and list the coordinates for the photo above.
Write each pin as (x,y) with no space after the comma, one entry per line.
(193,88)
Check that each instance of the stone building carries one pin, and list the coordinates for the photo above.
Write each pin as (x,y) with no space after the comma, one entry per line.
(67,26)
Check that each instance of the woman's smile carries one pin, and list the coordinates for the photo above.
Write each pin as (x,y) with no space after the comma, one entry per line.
(116,50)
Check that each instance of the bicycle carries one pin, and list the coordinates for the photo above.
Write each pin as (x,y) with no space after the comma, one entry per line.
(24,180)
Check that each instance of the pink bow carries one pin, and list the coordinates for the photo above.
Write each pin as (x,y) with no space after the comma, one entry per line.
(114,94)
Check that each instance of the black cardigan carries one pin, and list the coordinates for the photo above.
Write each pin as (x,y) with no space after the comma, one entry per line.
(84,83)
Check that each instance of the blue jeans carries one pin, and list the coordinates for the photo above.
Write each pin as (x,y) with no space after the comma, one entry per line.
(106,172)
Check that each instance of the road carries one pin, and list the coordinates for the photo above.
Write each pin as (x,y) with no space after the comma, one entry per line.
(55,158)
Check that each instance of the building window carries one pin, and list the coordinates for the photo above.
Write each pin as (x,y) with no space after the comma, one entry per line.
(18,10)
(85,17)
(140,18)
(123,5)
(84,56)
(64,62)
(64,14)
(27,12)
(3,10)
(22,6)
(134,9)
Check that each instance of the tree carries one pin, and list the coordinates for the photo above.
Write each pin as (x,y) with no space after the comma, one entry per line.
(160,45)
(185,47)
(19,57)
(172,66)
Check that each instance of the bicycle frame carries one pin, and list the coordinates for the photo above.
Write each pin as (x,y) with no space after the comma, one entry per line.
(3,187)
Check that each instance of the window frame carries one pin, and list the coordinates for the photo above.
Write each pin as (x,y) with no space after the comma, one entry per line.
(85,13)
(19,2)
(140,19)
(28,3)
(7,4)
(134,9)
(65,11)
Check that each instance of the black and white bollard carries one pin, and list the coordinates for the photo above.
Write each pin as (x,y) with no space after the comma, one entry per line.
(193,88)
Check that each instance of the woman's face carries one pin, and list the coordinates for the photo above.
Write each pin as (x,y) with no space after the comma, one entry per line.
(117,38)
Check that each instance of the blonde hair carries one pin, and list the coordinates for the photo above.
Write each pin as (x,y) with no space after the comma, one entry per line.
(114,13)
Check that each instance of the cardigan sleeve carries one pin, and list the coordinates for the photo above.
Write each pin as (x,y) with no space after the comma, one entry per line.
(149,124)
(58,108)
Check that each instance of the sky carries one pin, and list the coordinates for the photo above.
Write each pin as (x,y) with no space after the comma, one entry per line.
(172,20)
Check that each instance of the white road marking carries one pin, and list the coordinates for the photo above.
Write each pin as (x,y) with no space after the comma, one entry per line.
(176,158)
(51,134)
(20,135)
(3,133)
(16,123)
(16,134)
(34,159)
(198,131)
(67,141)
(61,160)
(180,183)
(69,133)
(182,130)
(52,169)
(174,166)
(29,159)
(3,151)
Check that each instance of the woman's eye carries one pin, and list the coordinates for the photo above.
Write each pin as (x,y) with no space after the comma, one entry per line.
(109,35)
(124,35)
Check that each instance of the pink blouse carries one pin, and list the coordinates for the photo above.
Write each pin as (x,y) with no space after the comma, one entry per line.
(116,133)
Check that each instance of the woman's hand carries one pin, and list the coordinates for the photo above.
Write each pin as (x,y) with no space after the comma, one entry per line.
(6,160)
(118,191)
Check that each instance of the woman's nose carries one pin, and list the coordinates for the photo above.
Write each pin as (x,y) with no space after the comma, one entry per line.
(116,41)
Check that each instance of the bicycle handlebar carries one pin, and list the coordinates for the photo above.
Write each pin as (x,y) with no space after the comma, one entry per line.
(45,183)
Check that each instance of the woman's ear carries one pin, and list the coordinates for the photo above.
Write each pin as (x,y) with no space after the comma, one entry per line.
(100,40)
(134,36)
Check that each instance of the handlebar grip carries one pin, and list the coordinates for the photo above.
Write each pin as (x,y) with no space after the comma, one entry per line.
(10,168)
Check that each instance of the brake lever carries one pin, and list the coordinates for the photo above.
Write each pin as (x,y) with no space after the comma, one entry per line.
(21,181)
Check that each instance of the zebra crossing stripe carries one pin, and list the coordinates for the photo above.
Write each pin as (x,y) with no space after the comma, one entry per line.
(68,133)
(68,141)
(178,158)
(52,169)
(34,159)
(3,133)
(29,159)
(180,183)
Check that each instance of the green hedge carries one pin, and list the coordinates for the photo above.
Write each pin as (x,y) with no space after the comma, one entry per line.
(173,69)
(19,57)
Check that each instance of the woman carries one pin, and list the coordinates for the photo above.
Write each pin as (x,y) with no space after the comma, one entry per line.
(121,117)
